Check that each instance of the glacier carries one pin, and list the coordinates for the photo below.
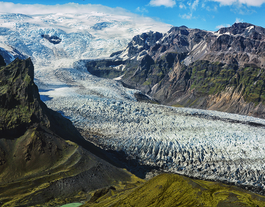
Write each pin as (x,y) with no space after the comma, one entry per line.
(202,144)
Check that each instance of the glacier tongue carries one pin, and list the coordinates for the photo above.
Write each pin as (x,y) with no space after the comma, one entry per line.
(203,144)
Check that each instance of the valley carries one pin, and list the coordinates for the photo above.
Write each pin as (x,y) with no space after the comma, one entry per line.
(110,124)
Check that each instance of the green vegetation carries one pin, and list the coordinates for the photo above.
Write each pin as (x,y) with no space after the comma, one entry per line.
(17,102)
(72,205)
(212,78)
(176,190)
(147,82)
(177,105)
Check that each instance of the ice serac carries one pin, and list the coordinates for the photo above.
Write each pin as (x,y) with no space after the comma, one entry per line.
(43,158)
(221,70)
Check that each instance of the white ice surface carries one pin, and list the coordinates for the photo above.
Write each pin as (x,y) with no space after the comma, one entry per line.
(176,139)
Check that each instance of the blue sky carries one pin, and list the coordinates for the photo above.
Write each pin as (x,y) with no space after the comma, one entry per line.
(202,14)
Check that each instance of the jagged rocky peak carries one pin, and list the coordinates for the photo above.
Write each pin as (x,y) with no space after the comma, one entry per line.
(177,56)
(236,28)
(142,42)
(180,30)
(147,39)
(245,29)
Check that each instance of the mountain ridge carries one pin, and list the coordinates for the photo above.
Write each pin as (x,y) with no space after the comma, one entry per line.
(196,68)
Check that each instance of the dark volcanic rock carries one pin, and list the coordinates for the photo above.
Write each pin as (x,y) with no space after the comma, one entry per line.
(52,39)
(142,42)
(237,28)
(2,61)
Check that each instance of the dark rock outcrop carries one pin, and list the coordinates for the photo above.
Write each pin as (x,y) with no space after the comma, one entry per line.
(2,61)
(52,39)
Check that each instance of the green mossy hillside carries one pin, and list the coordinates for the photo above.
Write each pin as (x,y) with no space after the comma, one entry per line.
(19,99)
(212,78)
(169,190)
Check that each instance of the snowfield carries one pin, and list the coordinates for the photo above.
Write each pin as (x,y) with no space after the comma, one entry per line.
(198,143)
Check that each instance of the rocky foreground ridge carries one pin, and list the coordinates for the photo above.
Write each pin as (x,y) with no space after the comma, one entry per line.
(43,158)
(221,70)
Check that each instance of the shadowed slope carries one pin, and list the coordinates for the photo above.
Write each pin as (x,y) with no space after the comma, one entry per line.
(40,157)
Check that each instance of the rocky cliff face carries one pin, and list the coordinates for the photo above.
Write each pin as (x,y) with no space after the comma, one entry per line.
(220,70)
(43,158)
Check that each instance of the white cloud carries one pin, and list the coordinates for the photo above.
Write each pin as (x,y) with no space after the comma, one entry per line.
(141,9)
(213,8)
(186,16)
(166,3)
(182,6)
(247,2)
(238,20)
(8,7)
(221,26)
(77,9)
(194,5)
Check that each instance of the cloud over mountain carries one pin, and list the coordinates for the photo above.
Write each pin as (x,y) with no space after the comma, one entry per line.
(247,2)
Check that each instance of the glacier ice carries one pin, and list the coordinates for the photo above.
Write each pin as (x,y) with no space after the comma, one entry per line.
(202,144)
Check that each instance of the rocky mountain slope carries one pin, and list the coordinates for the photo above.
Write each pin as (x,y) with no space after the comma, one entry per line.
(43,158)
(221,70)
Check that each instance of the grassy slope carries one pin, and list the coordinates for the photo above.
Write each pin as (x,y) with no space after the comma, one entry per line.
(212,78)
(176,190)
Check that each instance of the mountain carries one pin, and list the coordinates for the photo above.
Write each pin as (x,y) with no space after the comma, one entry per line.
(221,70)
(43,158)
